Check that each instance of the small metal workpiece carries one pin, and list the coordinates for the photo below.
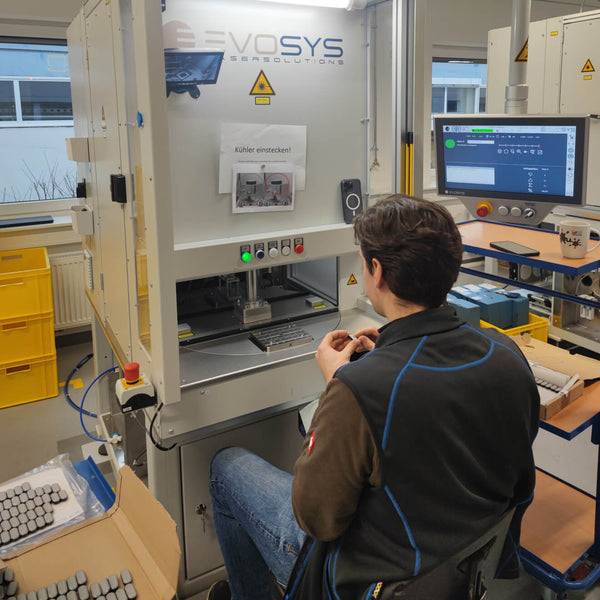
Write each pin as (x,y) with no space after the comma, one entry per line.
(130,591)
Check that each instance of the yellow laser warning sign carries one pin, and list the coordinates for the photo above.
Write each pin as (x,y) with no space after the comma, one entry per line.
(523,52)
(261,86)
(588,67)
(352,280)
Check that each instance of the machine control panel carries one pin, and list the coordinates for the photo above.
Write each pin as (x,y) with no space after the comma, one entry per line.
(505,211)
(271,249)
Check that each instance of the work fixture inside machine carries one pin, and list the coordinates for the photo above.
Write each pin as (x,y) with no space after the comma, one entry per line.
(259,297)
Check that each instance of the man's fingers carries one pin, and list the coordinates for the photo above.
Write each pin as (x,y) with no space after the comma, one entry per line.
(367,343)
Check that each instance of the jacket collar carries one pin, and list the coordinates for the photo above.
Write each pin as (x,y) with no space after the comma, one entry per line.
(427,322)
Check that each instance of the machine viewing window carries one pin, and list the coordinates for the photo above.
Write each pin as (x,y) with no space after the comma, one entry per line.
(538,159)
(234,302)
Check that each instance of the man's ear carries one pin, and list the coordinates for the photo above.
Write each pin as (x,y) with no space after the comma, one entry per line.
(378,273)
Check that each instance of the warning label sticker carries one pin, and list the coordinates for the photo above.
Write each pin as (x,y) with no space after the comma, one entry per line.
(352,280)
(261,86)
(588,67)
(523,52)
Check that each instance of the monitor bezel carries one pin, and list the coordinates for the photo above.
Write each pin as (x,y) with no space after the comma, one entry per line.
(581,145)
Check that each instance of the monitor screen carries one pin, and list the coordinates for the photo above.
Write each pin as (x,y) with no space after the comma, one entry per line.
(532,158)
(192,66)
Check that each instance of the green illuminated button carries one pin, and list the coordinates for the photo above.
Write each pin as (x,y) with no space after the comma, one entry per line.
(450,144)
(246,257)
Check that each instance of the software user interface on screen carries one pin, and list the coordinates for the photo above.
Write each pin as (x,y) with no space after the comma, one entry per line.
(512,159)
(192,66)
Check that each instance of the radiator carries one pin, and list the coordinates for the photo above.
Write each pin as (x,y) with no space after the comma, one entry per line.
(71,306)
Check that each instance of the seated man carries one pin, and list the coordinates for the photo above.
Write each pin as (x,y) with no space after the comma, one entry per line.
(416,449)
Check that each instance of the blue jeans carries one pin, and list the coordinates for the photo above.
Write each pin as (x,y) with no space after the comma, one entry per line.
(252,507)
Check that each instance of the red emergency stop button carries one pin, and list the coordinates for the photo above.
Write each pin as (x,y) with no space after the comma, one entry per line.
(484,209)
(298,248)
(131,372)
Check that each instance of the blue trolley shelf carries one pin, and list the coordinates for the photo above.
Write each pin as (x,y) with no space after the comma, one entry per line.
(561,528)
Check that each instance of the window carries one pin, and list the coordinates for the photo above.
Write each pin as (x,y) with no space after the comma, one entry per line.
(36,116)
(46,100)
(458,86)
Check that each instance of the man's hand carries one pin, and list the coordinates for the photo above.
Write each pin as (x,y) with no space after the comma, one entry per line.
(334,351)
(367,337)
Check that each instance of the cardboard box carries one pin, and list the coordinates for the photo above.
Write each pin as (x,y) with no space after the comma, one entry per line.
(136,533)
(562,361)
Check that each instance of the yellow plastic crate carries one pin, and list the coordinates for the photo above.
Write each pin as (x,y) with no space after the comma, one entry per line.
(25,338)
(25,284)
(28,381)
(537,328)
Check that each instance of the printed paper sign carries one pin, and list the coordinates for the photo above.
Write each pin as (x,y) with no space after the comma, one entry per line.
(262,144)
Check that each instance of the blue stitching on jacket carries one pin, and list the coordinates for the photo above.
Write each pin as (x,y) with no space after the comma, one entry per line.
(358,359)
(461,367)
(411,539)
(291,593)
(369,593)
(327,570)
(388,420)
(335,558)
(499,344)
(528,499)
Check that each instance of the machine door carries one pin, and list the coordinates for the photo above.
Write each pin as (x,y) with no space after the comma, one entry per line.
(106,156)
(276,439)
(580,85)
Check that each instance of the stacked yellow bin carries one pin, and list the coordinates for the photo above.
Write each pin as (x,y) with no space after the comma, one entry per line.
(27,347)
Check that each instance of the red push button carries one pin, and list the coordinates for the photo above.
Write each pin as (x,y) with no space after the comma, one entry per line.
(131,371)
(298,248)
(484,209)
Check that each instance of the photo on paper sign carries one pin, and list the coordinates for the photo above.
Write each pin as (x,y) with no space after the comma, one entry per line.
(262,187)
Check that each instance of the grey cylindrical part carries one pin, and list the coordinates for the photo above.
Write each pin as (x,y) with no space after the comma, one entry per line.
(516,99)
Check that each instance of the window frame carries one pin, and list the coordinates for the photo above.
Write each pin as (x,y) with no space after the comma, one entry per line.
(19,122)
(446,53)
(54,207)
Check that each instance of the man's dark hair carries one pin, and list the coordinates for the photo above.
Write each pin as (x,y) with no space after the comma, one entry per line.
(417,243)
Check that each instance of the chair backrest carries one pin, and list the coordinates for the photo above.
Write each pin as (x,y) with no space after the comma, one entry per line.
(466,574)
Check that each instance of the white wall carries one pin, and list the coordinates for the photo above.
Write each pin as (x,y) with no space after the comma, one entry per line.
(37,18)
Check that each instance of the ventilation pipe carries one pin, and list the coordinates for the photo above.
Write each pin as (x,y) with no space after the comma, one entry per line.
(517,90)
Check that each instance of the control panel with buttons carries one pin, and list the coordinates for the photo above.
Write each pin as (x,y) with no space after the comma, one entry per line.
(505,211)
(271,249)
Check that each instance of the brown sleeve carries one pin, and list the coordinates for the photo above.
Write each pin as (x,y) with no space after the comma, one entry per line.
(338,460)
